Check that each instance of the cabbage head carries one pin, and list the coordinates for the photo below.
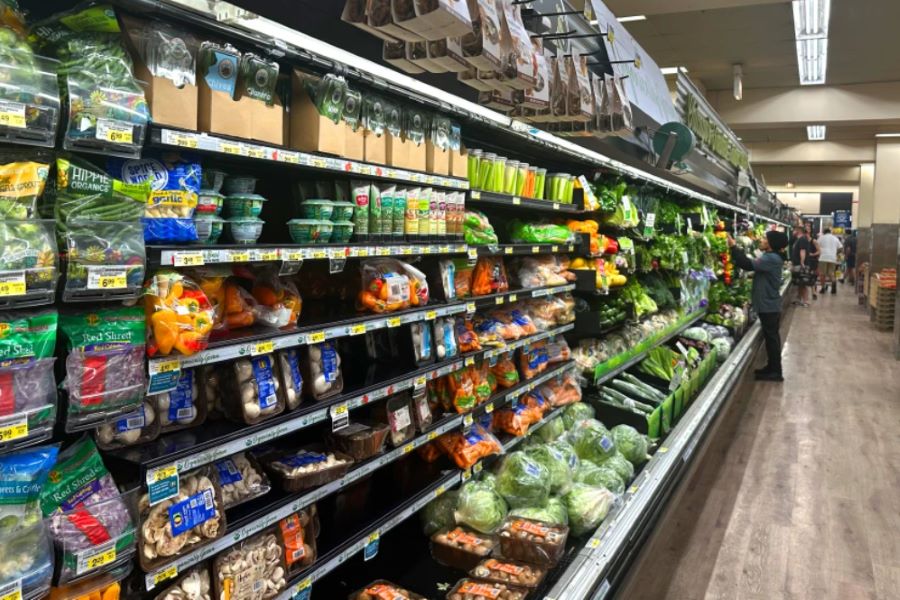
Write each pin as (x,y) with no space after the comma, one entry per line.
(554,512)
(723,348)
(578,411)
(551,430)
(601,476)
(480,507)
(438,514)
(630,443)
(621,466)
(523,481)
(556,460)
(696,333)
(592,441)
(587,506)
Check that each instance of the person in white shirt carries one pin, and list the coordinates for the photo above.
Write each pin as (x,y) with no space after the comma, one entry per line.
(829,245)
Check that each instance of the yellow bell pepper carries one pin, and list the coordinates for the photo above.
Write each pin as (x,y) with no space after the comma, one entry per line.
(165,327)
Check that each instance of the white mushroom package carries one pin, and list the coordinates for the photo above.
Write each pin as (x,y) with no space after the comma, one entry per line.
(240,479)
(134,428)
(251,570)
(291,379)
(193,585)
(193,517)
(324,377)
(181,407)
(250,389)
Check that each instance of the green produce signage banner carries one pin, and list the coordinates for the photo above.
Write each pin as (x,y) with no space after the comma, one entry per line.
(713,136)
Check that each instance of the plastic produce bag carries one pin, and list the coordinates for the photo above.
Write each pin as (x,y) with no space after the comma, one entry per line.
(539,233)
(480,507)
(29,80)
(192,585)
(85,192)
(179,315)
(478,230)
(587,507)
(24,474)
(258,78)
(554,512)
(600,476)
(103,379)
(28,261)
(297,534)
(389,285)
(592,441)
(438,514)
(167,52)
(578,411)
(489,276)
(104,257)
(26,556)
(630,443)
(445,345)
(523,481)
(21,185)
(466,449)
(85,510)
(251,390)
(560,460)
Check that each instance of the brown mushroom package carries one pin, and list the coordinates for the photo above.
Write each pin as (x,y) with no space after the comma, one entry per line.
(192,518)
(307,467)
(381,589)
(461,548)
(477,589)
(322,376)
(250,390)
(512,572)
(252,569)
(296,533)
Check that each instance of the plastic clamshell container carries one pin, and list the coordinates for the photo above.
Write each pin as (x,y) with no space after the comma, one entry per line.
(138,427)
(532,541)
(380,588)
(27,555)
(343,211)
(111,519)
(297,533)
(194,578)
(320,210)
(290,376)
(359,440)
(209,228)
(481,589)
(239,185)
(510,572)
(106,586)
(322,374)
(244,205)
(29,262)
(240,478)
(250,569)
(342,232)
(182,407)
(282,467)
(250,389)
(210,202)
(310,231)
(29,394)
(245,230)
(397,412)
(461,548)
(158,543)
(212,179)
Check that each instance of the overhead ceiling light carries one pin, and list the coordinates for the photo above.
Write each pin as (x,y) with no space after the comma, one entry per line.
(790,185)
(594,22)
(631,18)
(811,19)
(738,71)
(672,70)
(815,133)
(887,135)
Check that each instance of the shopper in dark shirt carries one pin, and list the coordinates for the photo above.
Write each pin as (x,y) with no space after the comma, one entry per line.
(850,256)
(800,252)
(766,295)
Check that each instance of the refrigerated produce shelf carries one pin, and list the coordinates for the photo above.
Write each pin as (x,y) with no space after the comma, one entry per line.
(481,199)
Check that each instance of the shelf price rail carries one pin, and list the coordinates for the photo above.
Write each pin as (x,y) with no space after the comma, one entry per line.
(284,508)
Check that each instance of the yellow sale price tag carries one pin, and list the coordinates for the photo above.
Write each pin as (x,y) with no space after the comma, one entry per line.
(430,315)
(508,250)
(185,140)
(117,133)
(489,407)
(472,253)
(162,473)
(230,148)
(264,347)
(513,297)
(470,307)
(317,337)
(475,195)
(439,490)
(12,284)
(320,254)
(477,468)
(265,255)
(166,366)
(100,559)
(393,322)
(340,410)
(240,256)
(15,119)
(15,430)
(468,420)
(499,300)
(408,448)
(516,200)
(433,435)
(168,573)
(358,329)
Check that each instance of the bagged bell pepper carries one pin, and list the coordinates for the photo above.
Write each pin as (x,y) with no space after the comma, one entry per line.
(179,315)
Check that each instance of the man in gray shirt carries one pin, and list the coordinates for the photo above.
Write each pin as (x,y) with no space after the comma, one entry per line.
(766,295)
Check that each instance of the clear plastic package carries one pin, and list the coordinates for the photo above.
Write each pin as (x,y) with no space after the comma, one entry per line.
(421,410)
(480,589)
(195,584)
(323,377)
(105,260)
(27,471)
(30,93)
(26,555)
(240,478)
(257,78)
(109,585)
(251,391)
(28,262)
(532,541)
(252,569)
(290,376)
(398,414)
(192,518)
(180,316)
(307,468)
(297,534)
(389,285)
(380,589)
(461,548)
(511,572)
(445,345)
(107,379)
(27,397)
(182,407)
(422,342)
(138,427)
(359,440)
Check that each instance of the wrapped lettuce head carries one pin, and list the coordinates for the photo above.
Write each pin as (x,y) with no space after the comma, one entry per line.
(438,514)
(554,512)
(632,444)
(578,411)
(621,465)
(600,476)
(480,507)
(559,462)
(523,481)
(551,430)
(587,506)
(592,441)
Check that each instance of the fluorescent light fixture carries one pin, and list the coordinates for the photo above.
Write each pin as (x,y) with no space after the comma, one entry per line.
(631,18)
(672,70)
(594,22)
(811,19)
(887,135)
(738,71)
(815,133)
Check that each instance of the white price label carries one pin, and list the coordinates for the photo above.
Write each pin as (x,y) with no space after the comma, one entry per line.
(340,417)
(107,278)
(188,259)
(650,220)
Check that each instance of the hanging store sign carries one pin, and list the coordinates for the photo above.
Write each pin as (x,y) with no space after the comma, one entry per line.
(645,85)
(701,119)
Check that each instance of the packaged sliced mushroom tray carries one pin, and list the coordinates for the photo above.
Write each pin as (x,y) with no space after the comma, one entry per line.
(532,541)
(461,548)
(251,570)
(512,572)
(240,479)
(381,589)
(192,518)
(193,585)
(250,389)
(308,468)
(479,589)
(359,440)
(297,535)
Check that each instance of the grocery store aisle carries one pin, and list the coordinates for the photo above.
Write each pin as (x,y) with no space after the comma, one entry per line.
(796,496)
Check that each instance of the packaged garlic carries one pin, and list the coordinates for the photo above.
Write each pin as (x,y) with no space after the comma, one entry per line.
(250,389)
(138,427)
(192,518)
(182,407)
(291,379)
(240,479)
(251,570)
(193,585)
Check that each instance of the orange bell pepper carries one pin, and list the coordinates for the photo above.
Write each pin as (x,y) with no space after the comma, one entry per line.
(165,328)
